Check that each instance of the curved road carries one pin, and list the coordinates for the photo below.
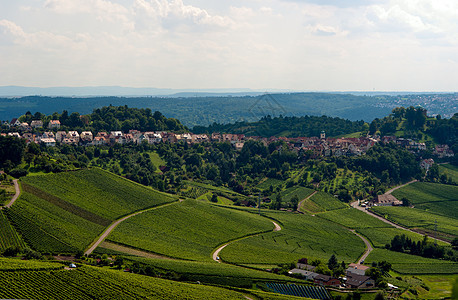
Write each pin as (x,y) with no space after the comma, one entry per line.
(18,193)
(368,246)
(305,199)
(107,231)
(215,254)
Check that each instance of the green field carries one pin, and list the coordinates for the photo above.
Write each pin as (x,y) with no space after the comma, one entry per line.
(95,283)
(417,218)
(433,197)
(269,182)
(99,192)
(412,264)
(449,170)
(8,235)
(299,191)
(188,230)
(10,264)
(353,218)
(327,202)
(301,236)
(379,237)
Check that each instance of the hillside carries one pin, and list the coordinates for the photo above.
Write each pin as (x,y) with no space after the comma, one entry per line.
(65,212)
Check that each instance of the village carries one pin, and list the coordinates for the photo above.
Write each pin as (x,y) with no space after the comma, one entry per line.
(317,146)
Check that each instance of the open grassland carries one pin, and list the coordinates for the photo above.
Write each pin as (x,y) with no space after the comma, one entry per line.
(49,228)
(412,264)
(95,283)
(327,202)
(417,218)
(99,192)
(433,197)
(301,236)
(353,218)
(449,170)
(213,273)
(10,264)
(379,237)
(8,235)
(188,230)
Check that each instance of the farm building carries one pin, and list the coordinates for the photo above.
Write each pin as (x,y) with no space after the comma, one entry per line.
(386,200)
(325,280)
(308,275)
(356,269)
(305,267)
(355,281)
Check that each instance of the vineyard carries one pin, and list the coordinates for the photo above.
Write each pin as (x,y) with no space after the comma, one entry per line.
(48,228)
(95,283)
(353,218)
(99,192)
(300,290)
(412,264)
(379,237)
(432,197)
(188,230)
(10,264)
(299,191)
(449,170)
(417,218)
(8,235)
(327,202)
(301,236)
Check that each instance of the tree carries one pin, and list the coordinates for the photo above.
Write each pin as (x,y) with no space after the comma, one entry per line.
(332,262)
(294,202)
(214,198)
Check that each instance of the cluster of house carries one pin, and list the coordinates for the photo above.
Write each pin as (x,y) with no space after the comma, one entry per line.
(354,278)
(317,146)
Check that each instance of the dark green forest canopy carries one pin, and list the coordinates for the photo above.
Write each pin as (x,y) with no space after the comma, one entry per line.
(287,126)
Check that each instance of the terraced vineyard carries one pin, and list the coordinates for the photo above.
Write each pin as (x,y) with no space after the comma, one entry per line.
(301,236)
(63,213)
(326,202)
(8,235)
(188,230)
(95,283)
(412,264)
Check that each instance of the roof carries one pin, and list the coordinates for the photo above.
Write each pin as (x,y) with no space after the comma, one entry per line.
(357,280)
(359,266)
(303,272)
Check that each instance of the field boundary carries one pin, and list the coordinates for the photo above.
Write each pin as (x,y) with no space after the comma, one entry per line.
(16,195)
(113,225)
(299,206)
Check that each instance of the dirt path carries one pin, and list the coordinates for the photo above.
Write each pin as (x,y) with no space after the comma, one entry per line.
(107,231)
(18,193)
(303,200)
(132,251)
(399,186)
(215,254)
(368,246)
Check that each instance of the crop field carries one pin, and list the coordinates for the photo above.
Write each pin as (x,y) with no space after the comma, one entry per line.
(212,272)
(8,235)
(99,192)
(94,283)
(379,237)
(327,202)
(412,264)
(221,200)
(353,218)
(299,191)
(301,236)
(417,218)
(269,182)
(10,264)
(433,197)
(313,292)
(450,171)
(49,228)
(189,230)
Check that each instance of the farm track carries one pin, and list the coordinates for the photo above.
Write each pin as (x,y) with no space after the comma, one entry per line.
(370,213)
(368,245)
(16,196)
(303,200)
(107,231)
(215,254)
(131,251)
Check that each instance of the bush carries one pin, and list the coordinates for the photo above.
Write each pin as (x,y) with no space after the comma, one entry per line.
(11,251)
(18,172)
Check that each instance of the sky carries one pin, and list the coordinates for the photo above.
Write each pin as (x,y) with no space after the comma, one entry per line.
(300,45)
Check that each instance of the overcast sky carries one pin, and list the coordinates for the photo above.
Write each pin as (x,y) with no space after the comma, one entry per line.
(333,45)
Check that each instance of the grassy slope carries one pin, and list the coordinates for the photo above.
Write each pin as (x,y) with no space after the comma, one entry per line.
(450,171)
(433,197)
(8,235)
(189,230)
(301,236)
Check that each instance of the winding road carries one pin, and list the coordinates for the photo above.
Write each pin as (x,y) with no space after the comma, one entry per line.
(107,231)
(368,246)
(305,199)
(215,254)
(16,195)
